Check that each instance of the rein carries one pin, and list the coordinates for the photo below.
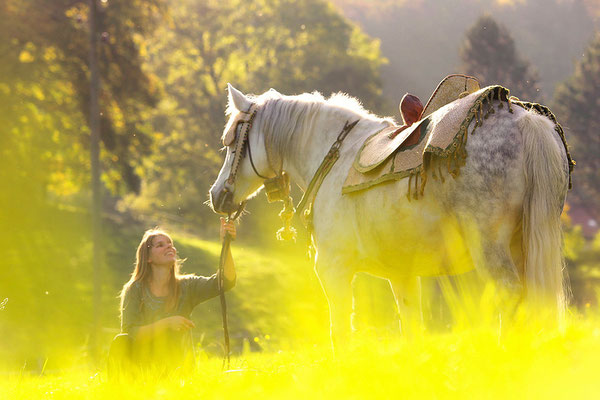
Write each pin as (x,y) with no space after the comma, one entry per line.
(304,207)
(221,280)
(225,248)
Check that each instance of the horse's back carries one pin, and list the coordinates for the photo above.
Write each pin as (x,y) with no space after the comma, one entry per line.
(428,236)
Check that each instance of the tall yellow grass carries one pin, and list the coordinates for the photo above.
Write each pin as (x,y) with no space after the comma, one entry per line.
(522,361)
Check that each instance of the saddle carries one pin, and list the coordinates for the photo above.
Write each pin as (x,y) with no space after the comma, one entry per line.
(453,113)
(383,144)
(441,137)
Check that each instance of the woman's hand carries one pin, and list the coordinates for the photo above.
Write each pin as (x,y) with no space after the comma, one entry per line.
(227,227)
(178,323)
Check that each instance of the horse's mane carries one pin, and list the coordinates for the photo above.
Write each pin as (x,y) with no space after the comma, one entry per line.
(340,100)
(285,113)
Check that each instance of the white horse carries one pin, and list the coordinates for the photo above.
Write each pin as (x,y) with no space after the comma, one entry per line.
(504,206)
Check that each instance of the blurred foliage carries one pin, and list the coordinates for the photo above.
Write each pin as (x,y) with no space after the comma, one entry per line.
(583,263)
(488,53)
(421,37)
(44,91)
(292,46)
(46,275)
(577,102)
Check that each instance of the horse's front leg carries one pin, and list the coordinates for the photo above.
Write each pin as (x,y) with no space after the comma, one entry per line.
(336,281)
(407,291)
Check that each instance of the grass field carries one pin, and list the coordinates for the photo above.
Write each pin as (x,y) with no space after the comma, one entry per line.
(522,363)
(279,328)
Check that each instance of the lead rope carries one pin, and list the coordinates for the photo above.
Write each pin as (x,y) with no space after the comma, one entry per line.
(225,248)
(221,279)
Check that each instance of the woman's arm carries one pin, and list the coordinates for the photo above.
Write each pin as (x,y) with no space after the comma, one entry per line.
(131,321)
(229,269)
(202,288)
(176,323)
(130,309)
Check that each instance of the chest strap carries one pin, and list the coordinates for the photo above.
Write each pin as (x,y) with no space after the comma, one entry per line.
(305,205)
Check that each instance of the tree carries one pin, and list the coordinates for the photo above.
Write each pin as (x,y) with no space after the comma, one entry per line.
(576,104)
(488,53)
(293,46)
(45,89)
(44,107)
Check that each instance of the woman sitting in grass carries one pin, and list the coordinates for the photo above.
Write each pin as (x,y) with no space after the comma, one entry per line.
(156,304)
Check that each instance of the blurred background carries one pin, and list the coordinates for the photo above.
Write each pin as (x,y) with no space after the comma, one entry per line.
(164,66)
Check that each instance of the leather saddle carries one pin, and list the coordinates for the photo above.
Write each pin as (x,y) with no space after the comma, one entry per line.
(381,145)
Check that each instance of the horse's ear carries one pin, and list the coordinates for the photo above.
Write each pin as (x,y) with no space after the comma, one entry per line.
(238,99)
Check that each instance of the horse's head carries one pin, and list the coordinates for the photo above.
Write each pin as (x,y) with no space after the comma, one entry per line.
(246,163)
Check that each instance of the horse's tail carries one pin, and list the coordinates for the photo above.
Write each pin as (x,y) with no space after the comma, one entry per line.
(546,180)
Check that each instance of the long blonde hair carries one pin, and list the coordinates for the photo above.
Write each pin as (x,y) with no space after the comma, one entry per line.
(142,271)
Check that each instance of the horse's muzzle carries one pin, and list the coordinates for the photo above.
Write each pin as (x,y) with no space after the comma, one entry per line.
(222,202)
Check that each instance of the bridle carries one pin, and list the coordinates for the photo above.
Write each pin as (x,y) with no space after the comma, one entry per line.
(244,125)
(278,187)
(274,186)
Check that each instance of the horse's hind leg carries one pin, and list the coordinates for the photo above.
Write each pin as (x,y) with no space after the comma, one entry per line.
(495,253)
(407,292)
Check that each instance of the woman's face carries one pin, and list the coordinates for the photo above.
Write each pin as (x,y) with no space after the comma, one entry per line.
(162,251)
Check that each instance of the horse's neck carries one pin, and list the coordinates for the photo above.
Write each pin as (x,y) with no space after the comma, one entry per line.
(311,142)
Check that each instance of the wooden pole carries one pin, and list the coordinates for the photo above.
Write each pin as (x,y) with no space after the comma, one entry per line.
(96,188)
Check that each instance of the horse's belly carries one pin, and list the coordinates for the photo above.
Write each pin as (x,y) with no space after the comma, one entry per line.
(416,242)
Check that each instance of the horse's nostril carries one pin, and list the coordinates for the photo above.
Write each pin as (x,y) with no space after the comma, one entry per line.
(226,200)
(221,200)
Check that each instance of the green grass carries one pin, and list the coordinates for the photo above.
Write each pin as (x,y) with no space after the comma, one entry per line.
(477,363)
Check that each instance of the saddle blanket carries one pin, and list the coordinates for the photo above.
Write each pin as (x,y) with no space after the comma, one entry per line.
(443,135)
